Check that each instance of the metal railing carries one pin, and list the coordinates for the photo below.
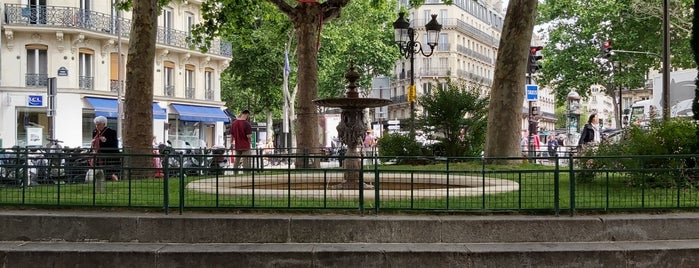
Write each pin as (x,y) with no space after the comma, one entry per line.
(282,181)
(189,92)
(114,85)
(77,18)
(36,80)
(86,82)
(169,91)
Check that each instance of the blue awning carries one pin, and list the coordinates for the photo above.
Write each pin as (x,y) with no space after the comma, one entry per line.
(109,108)
(200,113)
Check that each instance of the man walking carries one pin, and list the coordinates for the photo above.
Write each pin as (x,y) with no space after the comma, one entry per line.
(241,130)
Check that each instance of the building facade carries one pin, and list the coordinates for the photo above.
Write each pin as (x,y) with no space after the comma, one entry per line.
(76,44)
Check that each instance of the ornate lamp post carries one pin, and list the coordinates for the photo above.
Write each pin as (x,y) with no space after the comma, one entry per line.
(573,117)
(405,39)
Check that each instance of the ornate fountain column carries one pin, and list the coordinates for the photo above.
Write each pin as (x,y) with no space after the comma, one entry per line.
(352,129)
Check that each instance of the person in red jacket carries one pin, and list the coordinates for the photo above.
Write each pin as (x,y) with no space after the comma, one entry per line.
(241,131)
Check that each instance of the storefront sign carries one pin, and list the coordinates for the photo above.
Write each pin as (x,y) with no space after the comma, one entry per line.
(35,101)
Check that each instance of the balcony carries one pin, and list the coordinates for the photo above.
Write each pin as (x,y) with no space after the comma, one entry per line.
(86,82)
(114,85)
(169,91)
(399,99)
(189,92)
(36,80)
(83,20)
(209,94)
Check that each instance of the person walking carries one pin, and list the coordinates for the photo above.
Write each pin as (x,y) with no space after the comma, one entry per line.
(105,141)
(241,131)
(590,133)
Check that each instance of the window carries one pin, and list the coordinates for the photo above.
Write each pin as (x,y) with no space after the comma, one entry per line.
(168,76)
(189,89)
(36,12)
(209,83)
(85,78)
(443,42)
(37,65)
(167,25)
(114,84)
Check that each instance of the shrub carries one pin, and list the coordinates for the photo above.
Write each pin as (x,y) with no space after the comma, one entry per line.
(646,147)
(398,145)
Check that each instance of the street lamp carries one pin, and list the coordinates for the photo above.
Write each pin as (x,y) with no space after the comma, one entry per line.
(405,39)
(573,117)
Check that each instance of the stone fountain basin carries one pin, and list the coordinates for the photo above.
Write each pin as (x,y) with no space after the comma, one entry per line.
(268,185)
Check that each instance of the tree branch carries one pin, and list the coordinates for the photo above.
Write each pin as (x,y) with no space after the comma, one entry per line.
(283,7)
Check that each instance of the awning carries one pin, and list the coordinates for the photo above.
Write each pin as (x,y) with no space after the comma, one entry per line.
(200,113)
(109,108)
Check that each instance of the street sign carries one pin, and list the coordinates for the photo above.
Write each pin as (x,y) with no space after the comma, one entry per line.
(412,93)
(393,127)
(532,92)
(393,122)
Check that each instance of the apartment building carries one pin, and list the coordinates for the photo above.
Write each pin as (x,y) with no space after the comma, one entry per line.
(76,44)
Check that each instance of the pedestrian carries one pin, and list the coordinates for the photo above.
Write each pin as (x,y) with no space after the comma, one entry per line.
(241,131)
(369,143)
(552,146)
(590,133)
(105,141)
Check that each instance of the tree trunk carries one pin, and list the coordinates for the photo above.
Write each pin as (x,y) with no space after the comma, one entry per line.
(306,26)
(507,93)
(138,126)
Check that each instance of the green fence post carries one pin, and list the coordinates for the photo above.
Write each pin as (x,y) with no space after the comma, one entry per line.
(571,174)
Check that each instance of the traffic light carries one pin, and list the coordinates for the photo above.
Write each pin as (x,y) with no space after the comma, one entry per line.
(607,49)
(533,63)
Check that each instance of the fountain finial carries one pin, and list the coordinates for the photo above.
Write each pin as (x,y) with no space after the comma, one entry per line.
(352,76)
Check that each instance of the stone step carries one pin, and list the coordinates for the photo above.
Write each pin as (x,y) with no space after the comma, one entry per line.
(665,253)
(107,226)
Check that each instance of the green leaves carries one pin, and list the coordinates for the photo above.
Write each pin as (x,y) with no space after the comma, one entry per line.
(452,107)
(575,30)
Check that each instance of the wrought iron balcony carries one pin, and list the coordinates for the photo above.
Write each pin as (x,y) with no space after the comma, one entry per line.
(114,85)
(209,94)
(86,82)
(189,92)
(81,19)
(36,80)
(399,99)
(169,91)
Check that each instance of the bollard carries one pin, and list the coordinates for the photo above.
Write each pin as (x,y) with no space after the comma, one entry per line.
(100,183)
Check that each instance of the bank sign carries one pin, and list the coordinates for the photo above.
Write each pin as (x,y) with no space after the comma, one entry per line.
(35,101)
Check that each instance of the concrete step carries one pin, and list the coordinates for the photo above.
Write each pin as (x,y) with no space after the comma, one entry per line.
(110,226)
(667,253)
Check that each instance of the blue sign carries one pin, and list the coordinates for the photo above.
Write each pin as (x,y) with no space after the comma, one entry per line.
(532,92)
(35,101)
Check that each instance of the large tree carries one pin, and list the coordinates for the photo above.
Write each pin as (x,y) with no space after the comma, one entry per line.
(138,121)
(507,92)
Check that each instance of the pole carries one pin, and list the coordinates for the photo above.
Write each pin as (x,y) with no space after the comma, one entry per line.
(411,50)
(666,60)
(530,137)
(120,79)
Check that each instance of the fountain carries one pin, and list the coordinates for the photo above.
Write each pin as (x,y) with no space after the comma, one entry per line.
(352,129)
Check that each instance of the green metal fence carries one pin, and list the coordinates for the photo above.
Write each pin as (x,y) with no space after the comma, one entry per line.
(44,178)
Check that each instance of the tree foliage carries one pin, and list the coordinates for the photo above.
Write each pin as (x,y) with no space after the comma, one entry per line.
(576,29)
(355,37)
(452,107)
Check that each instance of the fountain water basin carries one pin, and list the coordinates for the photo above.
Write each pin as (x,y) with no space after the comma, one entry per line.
(320,185)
